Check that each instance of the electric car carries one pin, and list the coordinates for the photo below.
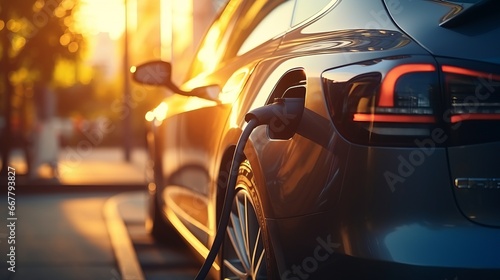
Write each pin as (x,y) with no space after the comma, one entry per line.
(387,169)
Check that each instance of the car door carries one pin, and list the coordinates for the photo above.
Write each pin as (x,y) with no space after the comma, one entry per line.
(238,49)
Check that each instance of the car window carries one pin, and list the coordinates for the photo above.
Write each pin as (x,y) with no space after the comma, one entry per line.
(240,27)
(304,9)
(269,21)
(213,46)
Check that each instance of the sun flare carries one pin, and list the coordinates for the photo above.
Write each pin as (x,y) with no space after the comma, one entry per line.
(95,16)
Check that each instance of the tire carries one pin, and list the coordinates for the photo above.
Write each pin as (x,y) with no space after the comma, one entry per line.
(246,253)
(156,224)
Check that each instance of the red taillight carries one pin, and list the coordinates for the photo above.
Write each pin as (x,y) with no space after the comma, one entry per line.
(474,95)
(397,101)
(388,87)
(474,117)
(393,118)
(403,104)
(467,72)
(391,102)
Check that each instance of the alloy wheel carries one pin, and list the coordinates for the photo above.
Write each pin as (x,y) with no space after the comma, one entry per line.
(244,250)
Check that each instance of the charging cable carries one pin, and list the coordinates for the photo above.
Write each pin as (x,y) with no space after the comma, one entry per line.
(226,208)
(292,109)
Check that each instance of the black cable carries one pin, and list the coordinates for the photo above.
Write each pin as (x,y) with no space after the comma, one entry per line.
(286,111)
(233,176)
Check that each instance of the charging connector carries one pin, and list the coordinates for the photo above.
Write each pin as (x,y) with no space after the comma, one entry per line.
(283,117)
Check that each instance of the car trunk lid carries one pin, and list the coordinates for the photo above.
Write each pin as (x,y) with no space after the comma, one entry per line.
(472,118)
(476,178)
(462,35)
(466,29)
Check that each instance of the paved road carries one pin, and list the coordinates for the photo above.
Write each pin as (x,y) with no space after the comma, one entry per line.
(173,261)
(59,236)
(65,236)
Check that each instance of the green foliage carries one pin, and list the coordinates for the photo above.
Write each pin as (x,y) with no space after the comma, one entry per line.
(35,34)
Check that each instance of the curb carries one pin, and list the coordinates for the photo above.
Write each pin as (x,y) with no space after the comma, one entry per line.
(123,248)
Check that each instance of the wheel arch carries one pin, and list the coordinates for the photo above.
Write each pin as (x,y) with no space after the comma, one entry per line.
(223,176)
(289,79)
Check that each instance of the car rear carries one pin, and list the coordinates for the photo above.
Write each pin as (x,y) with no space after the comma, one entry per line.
(422,186)
(428,129)
(413,191)
(463,37)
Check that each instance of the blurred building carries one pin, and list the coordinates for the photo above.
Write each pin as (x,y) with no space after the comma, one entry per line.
(169,30)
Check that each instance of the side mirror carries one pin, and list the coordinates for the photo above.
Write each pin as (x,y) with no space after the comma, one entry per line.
(210,92)
(159,73)
(156,73)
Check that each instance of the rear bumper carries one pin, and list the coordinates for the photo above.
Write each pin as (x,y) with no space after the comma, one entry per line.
(312,247)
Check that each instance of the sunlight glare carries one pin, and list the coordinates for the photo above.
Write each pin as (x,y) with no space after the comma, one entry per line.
(95,16)
(160,112)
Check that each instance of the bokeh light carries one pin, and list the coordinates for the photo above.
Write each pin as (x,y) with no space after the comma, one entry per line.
(95,16)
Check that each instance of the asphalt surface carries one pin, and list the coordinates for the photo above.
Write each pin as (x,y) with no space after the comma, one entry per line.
(85,223)
(58,236)
(97,167)
(68,236)
(171,259)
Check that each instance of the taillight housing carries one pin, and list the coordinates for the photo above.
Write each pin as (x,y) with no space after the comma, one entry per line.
(471,92)
(399,101)
(391,101)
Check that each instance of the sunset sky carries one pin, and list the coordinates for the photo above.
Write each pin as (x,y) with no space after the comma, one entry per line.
(95,16)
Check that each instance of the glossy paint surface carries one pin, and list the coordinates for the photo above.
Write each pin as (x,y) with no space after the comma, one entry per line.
(328,200)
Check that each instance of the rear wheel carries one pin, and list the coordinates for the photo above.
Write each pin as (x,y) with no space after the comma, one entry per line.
(156,224)
(246,250)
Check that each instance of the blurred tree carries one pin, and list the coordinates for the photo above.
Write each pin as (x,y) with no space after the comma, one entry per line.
(34,34)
